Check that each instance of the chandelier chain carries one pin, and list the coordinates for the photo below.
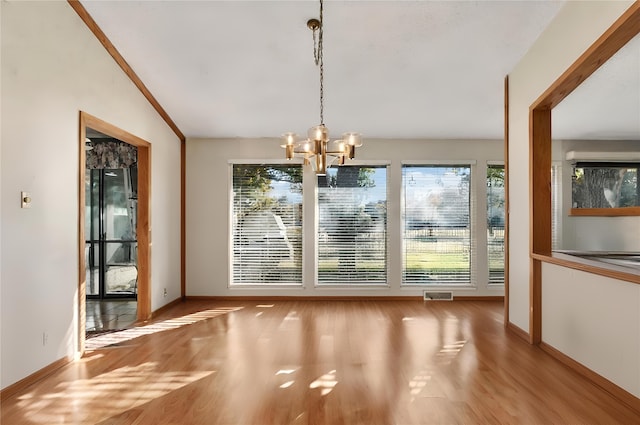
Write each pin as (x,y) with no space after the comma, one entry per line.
(320,62)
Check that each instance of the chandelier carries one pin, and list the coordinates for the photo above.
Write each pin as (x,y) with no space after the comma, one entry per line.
(317,147)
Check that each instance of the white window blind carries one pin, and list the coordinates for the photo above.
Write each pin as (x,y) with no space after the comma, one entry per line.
(556,204)
(437,224)
(495,223)
(352,226)
(267,225)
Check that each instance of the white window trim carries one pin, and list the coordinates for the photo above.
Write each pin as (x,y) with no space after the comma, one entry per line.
(473,280)
(352,286)
(283,286)
(428,162)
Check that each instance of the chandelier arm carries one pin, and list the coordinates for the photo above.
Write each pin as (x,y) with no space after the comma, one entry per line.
(304,152)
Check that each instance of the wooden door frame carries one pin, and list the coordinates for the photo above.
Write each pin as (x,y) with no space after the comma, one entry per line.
(143,221)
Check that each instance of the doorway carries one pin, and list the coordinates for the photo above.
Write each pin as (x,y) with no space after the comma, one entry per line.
(114,242)
(110,226)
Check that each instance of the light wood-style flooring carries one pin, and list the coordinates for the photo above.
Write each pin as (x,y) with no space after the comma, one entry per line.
(318,362)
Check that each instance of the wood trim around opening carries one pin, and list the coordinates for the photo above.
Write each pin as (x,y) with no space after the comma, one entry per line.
(540,211)
(143,225)
(506,201)
(82,272)
(143,231)
(540,181)
(183,219)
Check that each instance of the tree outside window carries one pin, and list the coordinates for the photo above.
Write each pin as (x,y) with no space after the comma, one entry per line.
(495,223)
(605,185)
(352,235)
(437,225)
(267,225)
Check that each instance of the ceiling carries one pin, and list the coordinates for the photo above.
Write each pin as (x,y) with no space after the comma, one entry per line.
(393,69)
(606,106)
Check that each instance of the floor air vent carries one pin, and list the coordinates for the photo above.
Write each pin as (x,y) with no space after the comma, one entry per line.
(438,296)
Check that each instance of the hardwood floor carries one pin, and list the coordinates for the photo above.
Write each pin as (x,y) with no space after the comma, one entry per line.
(318,362)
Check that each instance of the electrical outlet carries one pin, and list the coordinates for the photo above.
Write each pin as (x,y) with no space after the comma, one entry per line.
(164,293)
(25,200)
(45,338)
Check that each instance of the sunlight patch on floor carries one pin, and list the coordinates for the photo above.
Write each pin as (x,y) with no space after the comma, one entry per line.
(419,382)
(132,333)
(326,383)
(449,351)
(286,373)
(105,395)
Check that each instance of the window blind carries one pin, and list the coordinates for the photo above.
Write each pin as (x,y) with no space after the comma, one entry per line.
(352,226)
(556,204)
(267,225)
(495,223)
(436,224)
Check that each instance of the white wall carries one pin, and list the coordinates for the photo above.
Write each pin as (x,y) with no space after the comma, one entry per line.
(590,318)
(53,67)
(595,321)
(208,194)
(575,28)
(595,233)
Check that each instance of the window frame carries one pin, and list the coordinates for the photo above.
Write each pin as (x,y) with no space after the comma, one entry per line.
(606,212)
(504,242)
(231,245)
(473,224)
(329,285)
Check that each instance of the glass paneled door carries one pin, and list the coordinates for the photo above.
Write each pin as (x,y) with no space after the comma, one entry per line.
(110,220)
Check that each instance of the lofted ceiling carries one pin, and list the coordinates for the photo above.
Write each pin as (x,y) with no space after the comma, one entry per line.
(393,69)
(607,104)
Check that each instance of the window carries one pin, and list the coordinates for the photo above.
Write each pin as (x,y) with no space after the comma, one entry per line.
(437,224)
(352,226)
(605,185)
(267,225)
(495,223)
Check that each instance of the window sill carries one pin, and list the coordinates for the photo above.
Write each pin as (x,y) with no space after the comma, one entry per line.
(605,212)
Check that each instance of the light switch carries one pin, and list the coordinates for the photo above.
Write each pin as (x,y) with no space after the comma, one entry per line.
(25,200)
